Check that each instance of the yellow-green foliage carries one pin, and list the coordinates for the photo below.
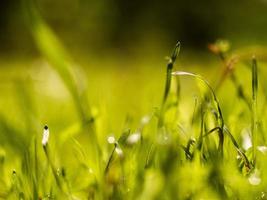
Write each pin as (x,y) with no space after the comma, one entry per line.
(121,133)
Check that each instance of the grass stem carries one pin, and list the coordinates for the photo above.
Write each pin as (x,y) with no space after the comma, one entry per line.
(254,123)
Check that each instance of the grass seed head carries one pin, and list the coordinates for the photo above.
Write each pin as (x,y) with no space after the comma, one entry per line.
(45,136)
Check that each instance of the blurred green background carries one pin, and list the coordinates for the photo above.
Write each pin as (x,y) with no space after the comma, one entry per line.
(93,27)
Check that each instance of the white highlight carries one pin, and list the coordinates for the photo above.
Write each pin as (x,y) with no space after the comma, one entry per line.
(247,143)
(111,140)
(145,120)
(254,178)
(262,149)
(119,151)
(133,138)
(90,171)
(45,136)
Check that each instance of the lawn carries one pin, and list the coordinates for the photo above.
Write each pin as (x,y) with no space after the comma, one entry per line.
(167,125)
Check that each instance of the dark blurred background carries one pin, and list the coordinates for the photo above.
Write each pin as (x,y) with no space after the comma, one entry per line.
(97,25)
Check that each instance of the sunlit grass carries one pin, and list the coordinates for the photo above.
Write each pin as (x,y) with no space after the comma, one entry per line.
(163,132)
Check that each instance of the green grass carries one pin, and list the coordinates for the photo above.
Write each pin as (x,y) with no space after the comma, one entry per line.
(126,133)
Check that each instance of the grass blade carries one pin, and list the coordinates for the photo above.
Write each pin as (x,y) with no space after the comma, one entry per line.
(254,123)
(182,73)
(171,62)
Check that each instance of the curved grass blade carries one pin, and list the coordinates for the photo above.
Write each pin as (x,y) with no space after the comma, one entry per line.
(216,102)
(182,73)
(239,150)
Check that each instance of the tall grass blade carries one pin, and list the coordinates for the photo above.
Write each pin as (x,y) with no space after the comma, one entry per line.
(254,123)
(172,60)
(170,64)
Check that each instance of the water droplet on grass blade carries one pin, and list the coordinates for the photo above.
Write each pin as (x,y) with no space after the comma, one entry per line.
(246,143)
(45,136)
(145,120)
(134,138)
(163,138)
(254,178)
(263,195)
(58,172)
(262,149)
(111,139)
(119,151)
